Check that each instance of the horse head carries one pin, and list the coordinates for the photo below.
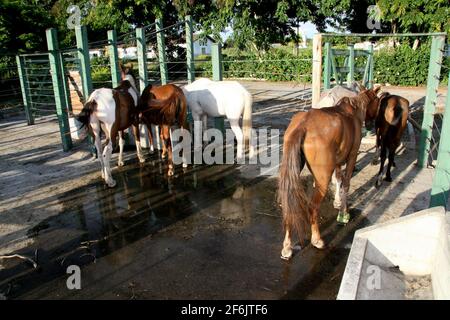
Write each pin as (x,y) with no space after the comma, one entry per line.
(374,104)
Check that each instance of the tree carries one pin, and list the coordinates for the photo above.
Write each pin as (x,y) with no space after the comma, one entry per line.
(416,15)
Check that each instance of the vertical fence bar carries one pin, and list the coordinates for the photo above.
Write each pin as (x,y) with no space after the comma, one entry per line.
(25,92)
(65,84)
(317,68)
(216,59)
(160,40)
(55,68)
(441,179)
(114,58)
(434,71)
(142,58)
(327,67)
(85,63)
(351,64)
(371,66)
(190,49)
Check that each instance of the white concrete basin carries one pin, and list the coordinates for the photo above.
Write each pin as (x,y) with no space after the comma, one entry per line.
(406,258)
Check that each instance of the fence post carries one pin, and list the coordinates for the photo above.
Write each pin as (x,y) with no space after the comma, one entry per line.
(351,64)
(190,49)
(24,87)
(161,52)
(434,71)
(317,68)
(142,58)
(371,66)
(216,59)
(85,62)
(116,76)
(55,69)
(441,180)
(327,67)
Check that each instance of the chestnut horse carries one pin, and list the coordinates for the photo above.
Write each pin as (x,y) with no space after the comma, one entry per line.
(171,112)
(390,123)
(324,149)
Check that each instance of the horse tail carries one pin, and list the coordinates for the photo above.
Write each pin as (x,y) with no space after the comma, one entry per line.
(247,117)
(86,112)
(291,194)
(182,116)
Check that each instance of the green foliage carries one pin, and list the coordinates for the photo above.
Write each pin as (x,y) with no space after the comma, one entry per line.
(274,65)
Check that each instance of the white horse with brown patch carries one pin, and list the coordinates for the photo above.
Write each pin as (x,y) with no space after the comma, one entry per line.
(112,111)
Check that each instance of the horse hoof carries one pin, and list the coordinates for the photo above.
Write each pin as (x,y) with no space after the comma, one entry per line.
(378,182)
(286,254)
(185,165)
(141,160)
(319,244)
(388,179)
(112,183)
(120,164)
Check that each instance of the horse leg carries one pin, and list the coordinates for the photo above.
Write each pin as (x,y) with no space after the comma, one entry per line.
(137,139)
(163,142)
(337,179)
(166,138)
(234,124)
(121,145)
(388,177)
(150,138)
(376,156)
(382,161)
(322,176)
(107,158)
(98,144)
(343,215)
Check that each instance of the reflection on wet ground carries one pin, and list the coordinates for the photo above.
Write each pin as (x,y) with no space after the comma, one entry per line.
(208,232)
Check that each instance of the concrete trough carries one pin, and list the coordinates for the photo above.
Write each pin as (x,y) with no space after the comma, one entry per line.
(406,258)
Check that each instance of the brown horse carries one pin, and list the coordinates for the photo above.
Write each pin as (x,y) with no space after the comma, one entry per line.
(390,123)
(171,111)
(324,139)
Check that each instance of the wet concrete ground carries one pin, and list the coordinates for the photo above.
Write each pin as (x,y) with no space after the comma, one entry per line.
(211,232)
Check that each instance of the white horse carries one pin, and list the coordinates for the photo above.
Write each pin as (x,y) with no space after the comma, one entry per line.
(222,98)
(113,111)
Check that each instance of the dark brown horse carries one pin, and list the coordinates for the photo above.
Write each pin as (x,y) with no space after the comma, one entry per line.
(325,140)
(171,111)
(390,123)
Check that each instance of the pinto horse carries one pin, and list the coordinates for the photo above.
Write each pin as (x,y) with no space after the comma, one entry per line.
(324,148)
(390,123)
(112,111)
(171,110)
(222,98)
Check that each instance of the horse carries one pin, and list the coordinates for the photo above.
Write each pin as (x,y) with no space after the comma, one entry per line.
(222,98)
(390,123)
(172,111)
(113,111)
(324,149)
